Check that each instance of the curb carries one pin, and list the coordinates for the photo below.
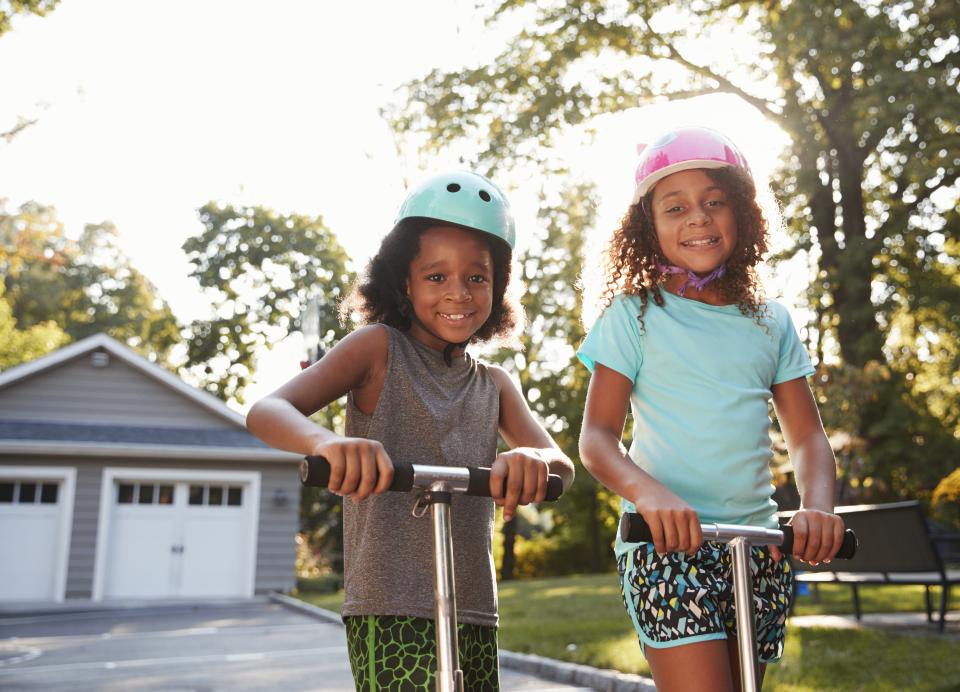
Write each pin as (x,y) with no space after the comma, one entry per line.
(600,679)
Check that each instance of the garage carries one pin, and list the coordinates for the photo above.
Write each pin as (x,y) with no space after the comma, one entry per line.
(121,482)
(36,507)
(176,534)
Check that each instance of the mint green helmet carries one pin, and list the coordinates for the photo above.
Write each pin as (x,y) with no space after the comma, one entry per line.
(464,199)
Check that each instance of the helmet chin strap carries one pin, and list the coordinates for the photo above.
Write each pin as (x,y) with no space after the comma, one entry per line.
(693,279)
(450,347)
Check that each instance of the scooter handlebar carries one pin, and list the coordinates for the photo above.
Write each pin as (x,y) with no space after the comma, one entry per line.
(634,528)
(315,472)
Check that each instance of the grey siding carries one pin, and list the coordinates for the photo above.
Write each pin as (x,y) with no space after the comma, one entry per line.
(118,394)
(276,555)
(275,560)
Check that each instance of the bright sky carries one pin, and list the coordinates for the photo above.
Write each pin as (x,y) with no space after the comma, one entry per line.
(146,110)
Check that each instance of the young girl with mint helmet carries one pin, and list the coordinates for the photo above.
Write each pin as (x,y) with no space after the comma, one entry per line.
(456,198)
(415,395)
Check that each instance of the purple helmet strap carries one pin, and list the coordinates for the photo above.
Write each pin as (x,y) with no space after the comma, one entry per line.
(693,279)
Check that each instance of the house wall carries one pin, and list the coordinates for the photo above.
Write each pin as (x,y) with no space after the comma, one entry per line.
(277,526)
(118,394)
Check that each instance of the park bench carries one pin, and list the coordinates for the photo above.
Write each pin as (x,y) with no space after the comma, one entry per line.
(897,547)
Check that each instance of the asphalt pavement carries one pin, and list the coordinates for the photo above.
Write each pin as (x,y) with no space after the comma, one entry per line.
(251,645)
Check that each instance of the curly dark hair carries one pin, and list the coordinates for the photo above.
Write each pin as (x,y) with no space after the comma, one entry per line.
(634,250)
(380,296)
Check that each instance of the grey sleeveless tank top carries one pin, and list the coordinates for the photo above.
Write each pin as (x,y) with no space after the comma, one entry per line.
(428,413)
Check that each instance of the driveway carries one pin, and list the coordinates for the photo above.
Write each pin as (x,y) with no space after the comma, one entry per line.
(234,646)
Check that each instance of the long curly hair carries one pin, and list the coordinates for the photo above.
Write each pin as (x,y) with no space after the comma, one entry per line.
(380,295)
(634,252)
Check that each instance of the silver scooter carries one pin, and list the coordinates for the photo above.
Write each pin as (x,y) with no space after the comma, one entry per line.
(436,486)
(633,529)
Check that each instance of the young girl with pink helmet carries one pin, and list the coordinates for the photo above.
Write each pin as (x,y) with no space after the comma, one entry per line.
(688,342)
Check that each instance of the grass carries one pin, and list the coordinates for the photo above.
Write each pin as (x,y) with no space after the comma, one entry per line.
(581,619)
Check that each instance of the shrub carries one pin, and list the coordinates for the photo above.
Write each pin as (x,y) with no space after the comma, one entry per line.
(945,502)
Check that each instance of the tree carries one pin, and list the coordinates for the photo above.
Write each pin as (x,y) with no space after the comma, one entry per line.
(259,268)
(84,286)
(868,93)
(23,345)
(553,380)
(11,8)
(8,9)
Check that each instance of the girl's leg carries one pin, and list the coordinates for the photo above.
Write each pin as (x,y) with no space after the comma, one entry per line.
(389,652)
(698,667)
(478,657)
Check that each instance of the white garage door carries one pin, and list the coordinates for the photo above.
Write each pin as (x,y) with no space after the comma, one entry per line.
(175,537)
(35,512)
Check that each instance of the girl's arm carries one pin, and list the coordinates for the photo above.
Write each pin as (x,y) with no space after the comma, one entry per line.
(674,524)
(532,456)
(817,531)
(357,363)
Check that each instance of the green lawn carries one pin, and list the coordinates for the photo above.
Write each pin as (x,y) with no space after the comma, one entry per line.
(581,619)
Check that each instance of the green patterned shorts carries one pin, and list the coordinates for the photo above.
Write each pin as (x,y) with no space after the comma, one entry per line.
(390,652)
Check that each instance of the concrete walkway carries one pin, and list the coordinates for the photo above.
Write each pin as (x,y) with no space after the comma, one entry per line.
(903,623)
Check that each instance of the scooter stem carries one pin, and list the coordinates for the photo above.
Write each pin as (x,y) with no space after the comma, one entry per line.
(743,602)
(449,676)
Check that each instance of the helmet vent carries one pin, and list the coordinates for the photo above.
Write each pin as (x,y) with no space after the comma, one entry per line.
(484,195)
(453,187)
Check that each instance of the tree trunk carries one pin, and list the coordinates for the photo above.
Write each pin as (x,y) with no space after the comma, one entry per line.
(859,335)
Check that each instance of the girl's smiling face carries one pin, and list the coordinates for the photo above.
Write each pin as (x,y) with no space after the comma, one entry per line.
(695,224)
(450,286)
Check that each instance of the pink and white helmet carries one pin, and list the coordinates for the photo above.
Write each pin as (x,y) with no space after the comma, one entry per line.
(683,149)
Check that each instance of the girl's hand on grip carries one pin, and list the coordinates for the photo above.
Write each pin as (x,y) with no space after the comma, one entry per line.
(526,479)
(817,535)
(674,524)
(358,466)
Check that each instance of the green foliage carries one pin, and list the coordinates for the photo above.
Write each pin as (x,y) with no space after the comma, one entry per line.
(84,286)
(10,8)
(868,93)
(554,381)
(21,346)
(900,451)
(945,502)
(259,268)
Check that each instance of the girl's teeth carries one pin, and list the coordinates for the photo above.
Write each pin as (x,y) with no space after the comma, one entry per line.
(697,243)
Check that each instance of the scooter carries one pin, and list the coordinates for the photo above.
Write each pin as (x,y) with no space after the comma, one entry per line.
(633,528)
(436,486)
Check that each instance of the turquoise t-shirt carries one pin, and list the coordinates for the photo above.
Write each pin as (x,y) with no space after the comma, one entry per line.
(702,377)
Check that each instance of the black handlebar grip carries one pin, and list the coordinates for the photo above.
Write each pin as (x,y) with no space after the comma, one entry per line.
(479,484)
(847,549)
(402,477)
(633,529)
(315,472)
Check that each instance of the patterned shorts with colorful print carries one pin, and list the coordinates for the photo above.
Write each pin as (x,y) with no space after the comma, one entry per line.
(676,598)
(399,653)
